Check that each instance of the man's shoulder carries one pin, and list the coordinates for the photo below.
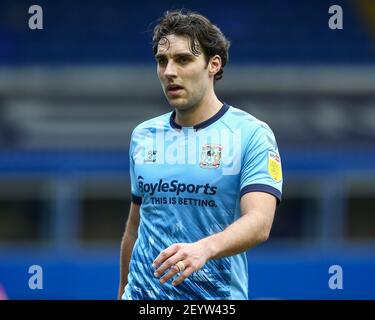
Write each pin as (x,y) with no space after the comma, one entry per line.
(253,130)
(150,125)
(243,120)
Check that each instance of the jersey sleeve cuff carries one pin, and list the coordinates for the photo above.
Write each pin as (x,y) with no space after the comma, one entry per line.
(262,188)
(136,199)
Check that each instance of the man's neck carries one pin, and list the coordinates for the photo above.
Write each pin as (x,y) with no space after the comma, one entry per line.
(199,113)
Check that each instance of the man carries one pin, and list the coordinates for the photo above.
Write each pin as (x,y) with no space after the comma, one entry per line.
(205,178)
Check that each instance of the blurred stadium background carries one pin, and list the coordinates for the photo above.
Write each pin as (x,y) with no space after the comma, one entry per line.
(70,95)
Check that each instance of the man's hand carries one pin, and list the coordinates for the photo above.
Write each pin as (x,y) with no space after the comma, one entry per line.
(193,256)
(252,228)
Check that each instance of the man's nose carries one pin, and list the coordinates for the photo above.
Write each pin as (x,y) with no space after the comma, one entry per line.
(170,70)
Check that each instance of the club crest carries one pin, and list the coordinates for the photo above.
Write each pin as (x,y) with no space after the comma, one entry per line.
(210,156)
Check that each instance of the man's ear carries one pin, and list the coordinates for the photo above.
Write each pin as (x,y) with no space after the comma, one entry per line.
(214,65)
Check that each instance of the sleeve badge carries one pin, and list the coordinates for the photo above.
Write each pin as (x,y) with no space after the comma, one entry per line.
(274,166)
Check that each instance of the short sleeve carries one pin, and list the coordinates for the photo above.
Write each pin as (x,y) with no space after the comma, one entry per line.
(261,170)
(135,194)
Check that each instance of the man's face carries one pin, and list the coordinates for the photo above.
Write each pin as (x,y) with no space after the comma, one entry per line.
(184,76)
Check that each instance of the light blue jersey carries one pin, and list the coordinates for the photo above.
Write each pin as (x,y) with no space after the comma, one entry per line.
(189,181)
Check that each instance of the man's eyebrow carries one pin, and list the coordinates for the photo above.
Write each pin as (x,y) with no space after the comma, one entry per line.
(160,55)
(178,55)
(184,55)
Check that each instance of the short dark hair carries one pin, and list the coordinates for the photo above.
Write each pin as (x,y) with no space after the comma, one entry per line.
(198,29)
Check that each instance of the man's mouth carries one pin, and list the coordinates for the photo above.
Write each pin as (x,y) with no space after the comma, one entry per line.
(174,89)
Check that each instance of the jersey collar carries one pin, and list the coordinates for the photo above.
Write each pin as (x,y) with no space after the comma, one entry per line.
(203,124)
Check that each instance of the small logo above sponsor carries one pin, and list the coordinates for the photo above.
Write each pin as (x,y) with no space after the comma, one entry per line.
(210,156)
(150,156)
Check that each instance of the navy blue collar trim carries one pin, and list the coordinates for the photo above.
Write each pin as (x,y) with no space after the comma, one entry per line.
(203,124)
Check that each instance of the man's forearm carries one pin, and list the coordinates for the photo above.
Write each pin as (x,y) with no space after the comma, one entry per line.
(127,245)
(241,235)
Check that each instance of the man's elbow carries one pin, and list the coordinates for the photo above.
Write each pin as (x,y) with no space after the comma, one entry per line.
(262,238)
(264,235)
(265,229)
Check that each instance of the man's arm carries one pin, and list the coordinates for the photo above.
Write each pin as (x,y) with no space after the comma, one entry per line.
(127,244)
(254,226)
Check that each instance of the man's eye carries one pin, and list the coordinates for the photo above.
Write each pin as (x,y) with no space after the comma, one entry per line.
(183,60)
(162,61)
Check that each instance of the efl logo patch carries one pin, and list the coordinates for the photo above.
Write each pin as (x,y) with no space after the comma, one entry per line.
(210,156)
(274,166)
